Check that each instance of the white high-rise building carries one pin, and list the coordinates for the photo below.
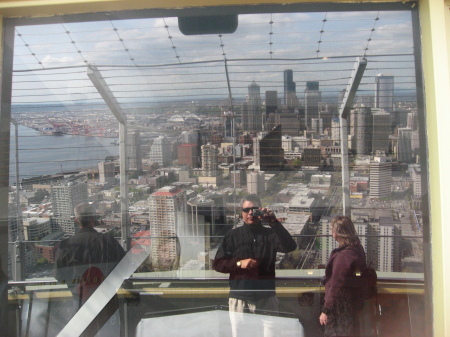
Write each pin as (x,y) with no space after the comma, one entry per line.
(65,198)
(379,237)
(336,130)
(210,160)
(256,182)
(380,178)
(167,215)
(161,151)
(415,173)
(286,143)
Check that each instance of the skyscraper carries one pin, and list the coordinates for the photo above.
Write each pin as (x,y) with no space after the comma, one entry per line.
(106,172)
(404,148)
(252,110)
(256,182)
(289,121)
(167,215)
(312,99)
(381,129)
(134,152)
(210,160)
(271,154)
(290,97)
(271,102)
(336,130)
(380,178)
(187,155)
(361,130)
(384,94)
(161,151)
(65,197)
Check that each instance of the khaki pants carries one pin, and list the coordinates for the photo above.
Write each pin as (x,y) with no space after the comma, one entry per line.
(266,308)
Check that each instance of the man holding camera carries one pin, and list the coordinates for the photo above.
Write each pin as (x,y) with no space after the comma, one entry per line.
(248,254)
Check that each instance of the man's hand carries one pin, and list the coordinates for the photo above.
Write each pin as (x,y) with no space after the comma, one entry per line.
(249,264)
(323,319)
(269,215)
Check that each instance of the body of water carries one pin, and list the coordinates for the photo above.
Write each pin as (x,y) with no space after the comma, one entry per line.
(47,154)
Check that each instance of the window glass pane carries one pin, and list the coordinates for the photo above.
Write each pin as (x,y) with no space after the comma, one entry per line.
(159,136)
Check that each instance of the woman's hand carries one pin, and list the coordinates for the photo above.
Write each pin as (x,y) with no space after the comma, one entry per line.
(323,319)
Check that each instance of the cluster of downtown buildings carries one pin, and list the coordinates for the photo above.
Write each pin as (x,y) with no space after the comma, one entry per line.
(186,182)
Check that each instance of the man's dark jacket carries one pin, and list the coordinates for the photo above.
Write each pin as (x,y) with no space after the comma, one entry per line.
(84,259)
(259,243)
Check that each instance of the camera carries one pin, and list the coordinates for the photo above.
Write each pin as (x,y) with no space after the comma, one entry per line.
(258,212)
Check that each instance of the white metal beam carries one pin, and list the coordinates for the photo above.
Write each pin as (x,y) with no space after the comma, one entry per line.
(344,111)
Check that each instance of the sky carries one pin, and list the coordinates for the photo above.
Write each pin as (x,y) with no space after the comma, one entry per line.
(150,60)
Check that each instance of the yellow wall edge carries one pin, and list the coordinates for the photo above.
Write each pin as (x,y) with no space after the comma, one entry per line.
(434,17)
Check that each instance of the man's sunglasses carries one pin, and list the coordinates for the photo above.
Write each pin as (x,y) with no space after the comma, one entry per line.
(248,209)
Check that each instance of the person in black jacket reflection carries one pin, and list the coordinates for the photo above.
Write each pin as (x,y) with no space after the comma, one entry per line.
(248,254)
(84,260)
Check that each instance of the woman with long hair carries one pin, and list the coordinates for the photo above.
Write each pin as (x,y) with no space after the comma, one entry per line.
(339,314)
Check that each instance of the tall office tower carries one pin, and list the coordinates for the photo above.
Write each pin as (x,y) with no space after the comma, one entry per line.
(256,183)
(252,110)
(256,148)
(361,130)
(317,125)
(271,102)
(65,198)
(228,123)
(271,154)
(289,121)
(239,177)
(336,130)
(380,178)
(134,151)
(106,172)
(381,127)
(312,99)
(187,155)
(290,96)
(404,149)
(416,176)
(384,94)
(389,257)
(312,156)
(167,215)
(161,151)
(210,160)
